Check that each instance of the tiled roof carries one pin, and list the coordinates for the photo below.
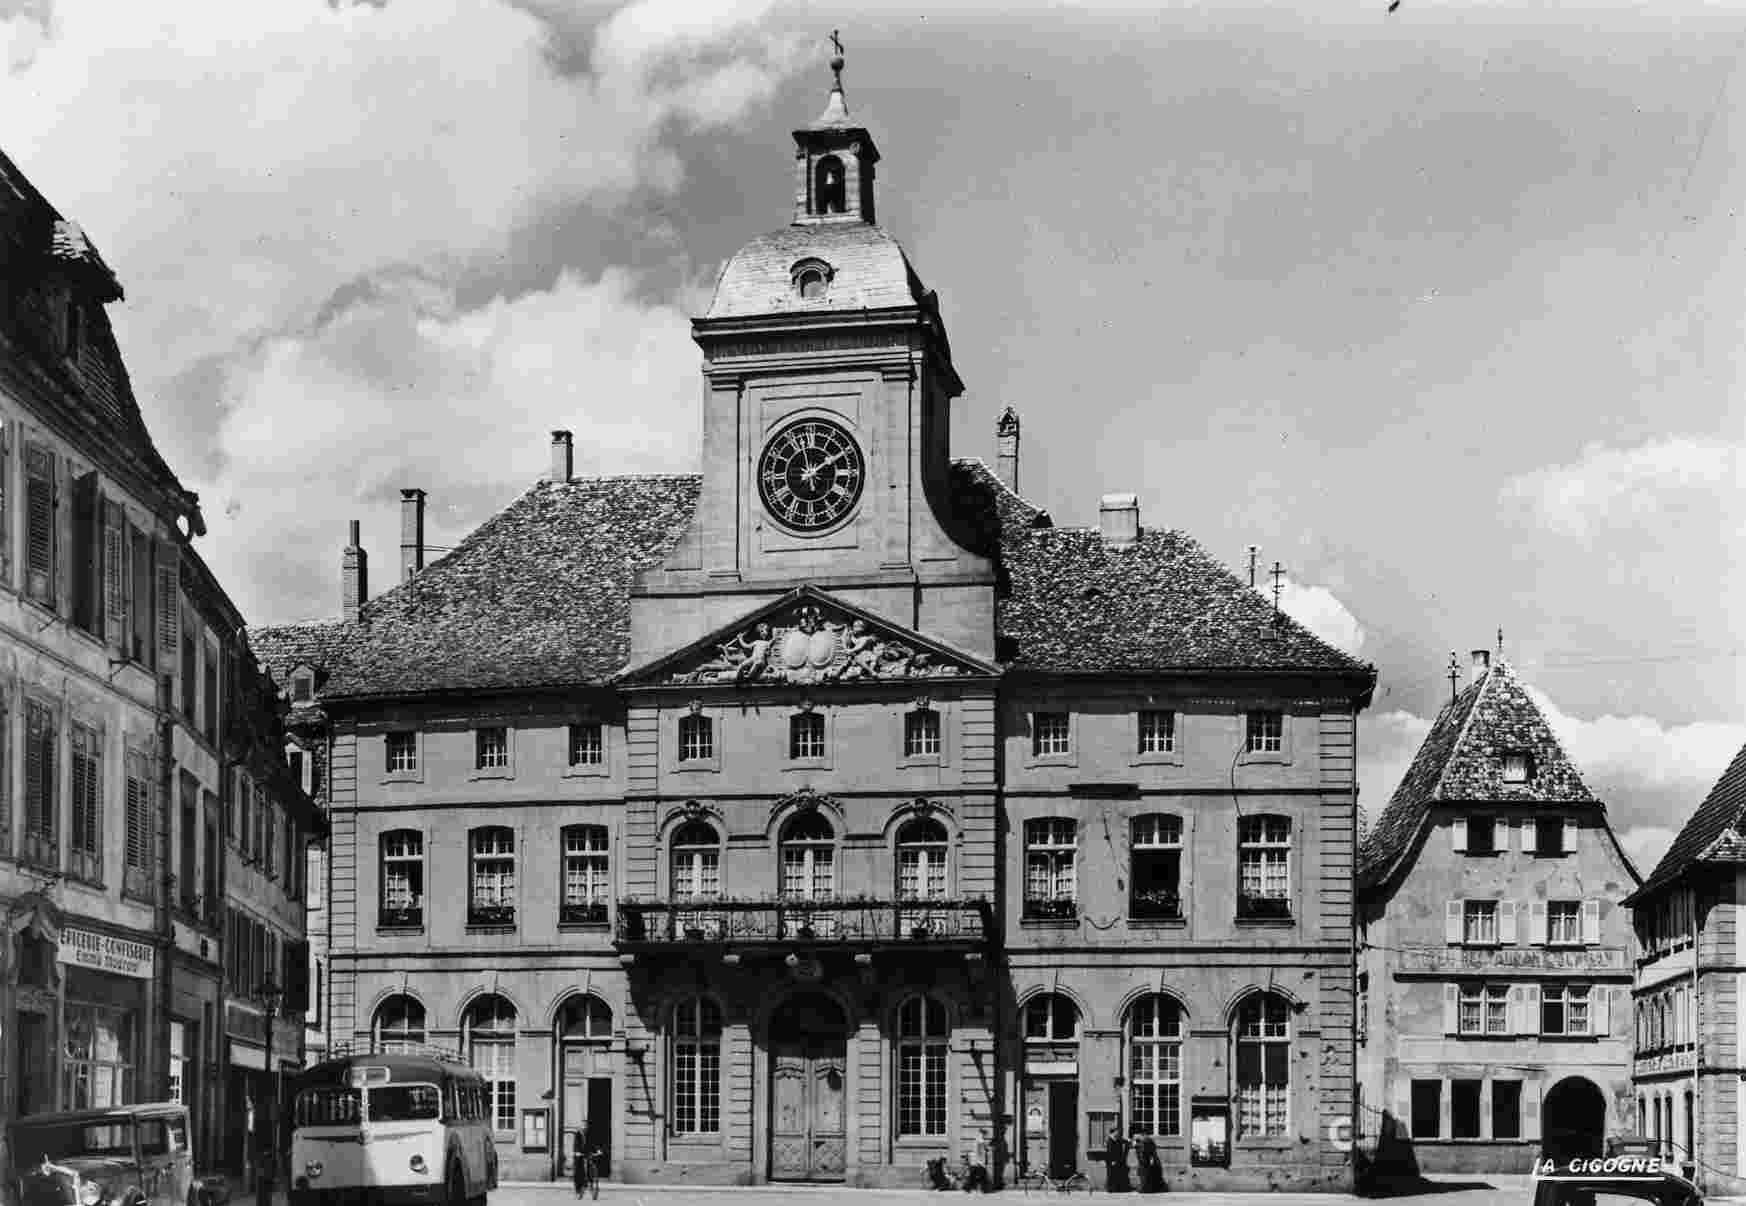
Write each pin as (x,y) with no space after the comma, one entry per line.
(870,272)
(69,244)
(1461,761)
(1711,834)
(539,596)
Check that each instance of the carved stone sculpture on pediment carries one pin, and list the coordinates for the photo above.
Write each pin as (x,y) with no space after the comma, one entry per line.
(806,647)
(802,801)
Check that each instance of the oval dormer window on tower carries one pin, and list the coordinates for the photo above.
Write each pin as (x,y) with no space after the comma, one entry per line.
(811,278)
(830,191)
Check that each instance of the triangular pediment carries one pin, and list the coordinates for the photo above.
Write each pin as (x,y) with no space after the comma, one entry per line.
(808,637)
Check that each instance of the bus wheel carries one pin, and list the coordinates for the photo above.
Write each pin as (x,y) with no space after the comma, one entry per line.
(455,1189)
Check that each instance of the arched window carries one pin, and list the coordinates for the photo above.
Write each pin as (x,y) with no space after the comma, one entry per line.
(921,862)
(585,1018)
(809,872)
(1155,880)
(697,1067)
(1155,1065)
(491,858)
(488,1030)
(695,871)
(1050,1018)
(922,1037)
(402,869)
(587,875)
(810,282)
(1263,1066)
(398,1024)
(830,191)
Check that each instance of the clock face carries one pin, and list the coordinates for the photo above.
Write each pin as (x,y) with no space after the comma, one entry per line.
(810,475)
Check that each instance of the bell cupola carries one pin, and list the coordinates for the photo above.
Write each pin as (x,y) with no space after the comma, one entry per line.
(833,161)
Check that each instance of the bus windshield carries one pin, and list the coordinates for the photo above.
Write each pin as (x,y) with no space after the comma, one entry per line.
(330,1105)
(405,1103)
(336,1105)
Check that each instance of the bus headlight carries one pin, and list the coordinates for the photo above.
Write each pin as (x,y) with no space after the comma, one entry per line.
(90,1193)
(313,1168)
(418,1164)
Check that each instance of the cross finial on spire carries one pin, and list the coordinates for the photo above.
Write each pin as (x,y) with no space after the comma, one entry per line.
(836,110)
(837,58)
(1454,675)
(1500,642)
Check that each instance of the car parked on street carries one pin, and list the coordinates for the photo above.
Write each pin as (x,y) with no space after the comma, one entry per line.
(136,1155)
(1617,1180)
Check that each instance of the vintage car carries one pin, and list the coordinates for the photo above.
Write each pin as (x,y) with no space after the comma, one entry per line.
(137,1155)
(1619,1180)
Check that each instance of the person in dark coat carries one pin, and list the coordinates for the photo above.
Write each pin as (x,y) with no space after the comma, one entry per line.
(1115,1164)
(1151,1167)
(578,1149)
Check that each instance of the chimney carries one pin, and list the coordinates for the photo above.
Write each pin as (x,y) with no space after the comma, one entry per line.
(1006,436)
(354,576)
(411,533)
(1118,515)
(563,456)
(1481,663)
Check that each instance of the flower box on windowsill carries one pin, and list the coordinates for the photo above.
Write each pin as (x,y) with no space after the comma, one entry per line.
(1051,910)
(1263,908)
(1156,906)
(582,914)
(497,917)
(410,917)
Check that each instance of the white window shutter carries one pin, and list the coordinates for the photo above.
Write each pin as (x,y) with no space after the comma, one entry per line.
(1531,1109)
(1513,1012)
(1531,1009)
(1601,1015)
(1451,1008)
(1459,829)
(1506,922)
(1591,922)
(1452,922)
(1567,836)
(1537,922)
(1403,1105)
(1516,830)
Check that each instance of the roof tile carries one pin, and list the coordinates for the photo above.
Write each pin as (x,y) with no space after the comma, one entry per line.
(1712,833)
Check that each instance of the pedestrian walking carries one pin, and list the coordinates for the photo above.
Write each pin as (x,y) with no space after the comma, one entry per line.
(1115,1163)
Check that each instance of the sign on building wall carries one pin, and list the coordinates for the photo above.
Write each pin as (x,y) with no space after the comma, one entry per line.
(106,953)
(1478,959)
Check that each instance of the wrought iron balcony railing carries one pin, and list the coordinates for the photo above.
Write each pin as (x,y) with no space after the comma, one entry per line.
(787,922)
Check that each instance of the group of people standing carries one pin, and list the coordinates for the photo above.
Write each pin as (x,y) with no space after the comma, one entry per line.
(1147,1163)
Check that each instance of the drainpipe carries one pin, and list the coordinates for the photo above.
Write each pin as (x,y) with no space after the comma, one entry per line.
(1697,1039)
(166,927)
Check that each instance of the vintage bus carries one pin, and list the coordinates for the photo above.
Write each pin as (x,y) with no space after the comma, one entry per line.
(395,1128)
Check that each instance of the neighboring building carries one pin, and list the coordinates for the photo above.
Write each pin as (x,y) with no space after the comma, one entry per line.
(1690,1070)
(834,810)
(127,698)
(1496,948)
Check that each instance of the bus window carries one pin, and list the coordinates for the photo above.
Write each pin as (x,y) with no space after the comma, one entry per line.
(404,1103)
(328,1106)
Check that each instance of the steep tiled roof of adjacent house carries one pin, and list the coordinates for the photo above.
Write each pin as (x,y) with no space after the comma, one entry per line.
(869,272)
(539,596)
(1461,761)
(1711,834)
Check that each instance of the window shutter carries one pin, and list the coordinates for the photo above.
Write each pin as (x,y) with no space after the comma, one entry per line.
(1601,1013)
(1537,922)
(39,504)
(1459,831)
(1513,1015)
(139,603)
(117,576)
(1519,828)
(1531,1109)
(5,501)
(1567,836)
(1452,922)
(1531,1009)
(1591,922)
(1506,922)
(87,553)
(1451,1008)
(169,604)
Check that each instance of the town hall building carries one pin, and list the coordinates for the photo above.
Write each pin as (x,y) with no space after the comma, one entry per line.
(832,810)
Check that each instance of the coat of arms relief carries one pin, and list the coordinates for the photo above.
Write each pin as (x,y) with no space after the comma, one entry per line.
(811,647)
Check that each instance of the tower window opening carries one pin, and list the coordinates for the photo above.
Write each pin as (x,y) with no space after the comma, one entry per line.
(830,191)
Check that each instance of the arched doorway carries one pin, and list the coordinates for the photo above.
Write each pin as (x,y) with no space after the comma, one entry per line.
(584,1032)
(1573,1120)
(808,1064)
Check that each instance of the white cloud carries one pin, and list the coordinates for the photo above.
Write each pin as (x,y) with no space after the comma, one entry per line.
(1317,609)
(1387,742)
(1620,489)
(1646,844)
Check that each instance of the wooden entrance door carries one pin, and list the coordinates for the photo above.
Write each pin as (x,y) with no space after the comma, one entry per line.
(573,1109)
(808,1062)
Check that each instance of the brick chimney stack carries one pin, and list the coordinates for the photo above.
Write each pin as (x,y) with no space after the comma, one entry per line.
(1118,516)
(1006,440)
(354,576)
(411,533)
(563,457)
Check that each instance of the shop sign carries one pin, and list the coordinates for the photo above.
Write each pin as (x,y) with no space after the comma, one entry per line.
(1666,1061)
(244,1055)
(1506,959)
(106,953)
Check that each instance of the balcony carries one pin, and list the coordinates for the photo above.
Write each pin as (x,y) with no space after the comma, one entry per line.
(827,924)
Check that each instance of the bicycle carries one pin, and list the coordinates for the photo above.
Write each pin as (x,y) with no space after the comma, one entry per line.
(588,1173)
(1042,1180)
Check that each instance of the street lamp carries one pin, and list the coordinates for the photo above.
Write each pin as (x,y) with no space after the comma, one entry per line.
(270,996)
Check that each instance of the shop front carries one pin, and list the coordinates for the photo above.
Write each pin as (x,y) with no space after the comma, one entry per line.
(99,1008)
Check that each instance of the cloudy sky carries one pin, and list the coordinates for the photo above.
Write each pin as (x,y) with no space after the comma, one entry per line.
(1444,309)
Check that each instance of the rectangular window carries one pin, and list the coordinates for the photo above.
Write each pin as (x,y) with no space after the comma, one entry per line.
(495,1061)
(1266,732)
(1464,1109)
(806,736)
(1479,922)
(1506,1109)
(491,748)
(1481,835)
(696,739)
(1564,1009)
(1564,922)
(1051,887)
(587,878)
(100,1063)
(921,733)
(1427,1109)
(1263,1060)
(190,671)
(85,842)
(1484,1009)
(209,694)
(140,602)
(921,1068)
(1517,768)
(1264,867)
(41,782)
(587,743)
(40,560)
(402,752)
(178,1060)
(1548,835)
(402,879)
(187,879)
(1051,734)
(86,545)
(1155,873)
(697,1084)
(141,840)
(493,877)
(1157,732)
(209,869)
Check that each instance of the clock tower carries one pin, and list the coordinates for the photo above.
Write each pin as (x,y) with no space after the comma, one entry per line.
(828,382)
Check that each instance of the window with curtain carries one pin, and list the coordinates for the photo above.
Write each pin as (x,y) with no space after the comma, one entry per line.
(1155,868)
(696,1085)
(1263,1066)
(1264,867)
(489,1028)
(1051,883)
(922,1040)
(1154,1034)
(587,875)
(921,870)
(402,879)
(808,852)
(492,857)
(694,856)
